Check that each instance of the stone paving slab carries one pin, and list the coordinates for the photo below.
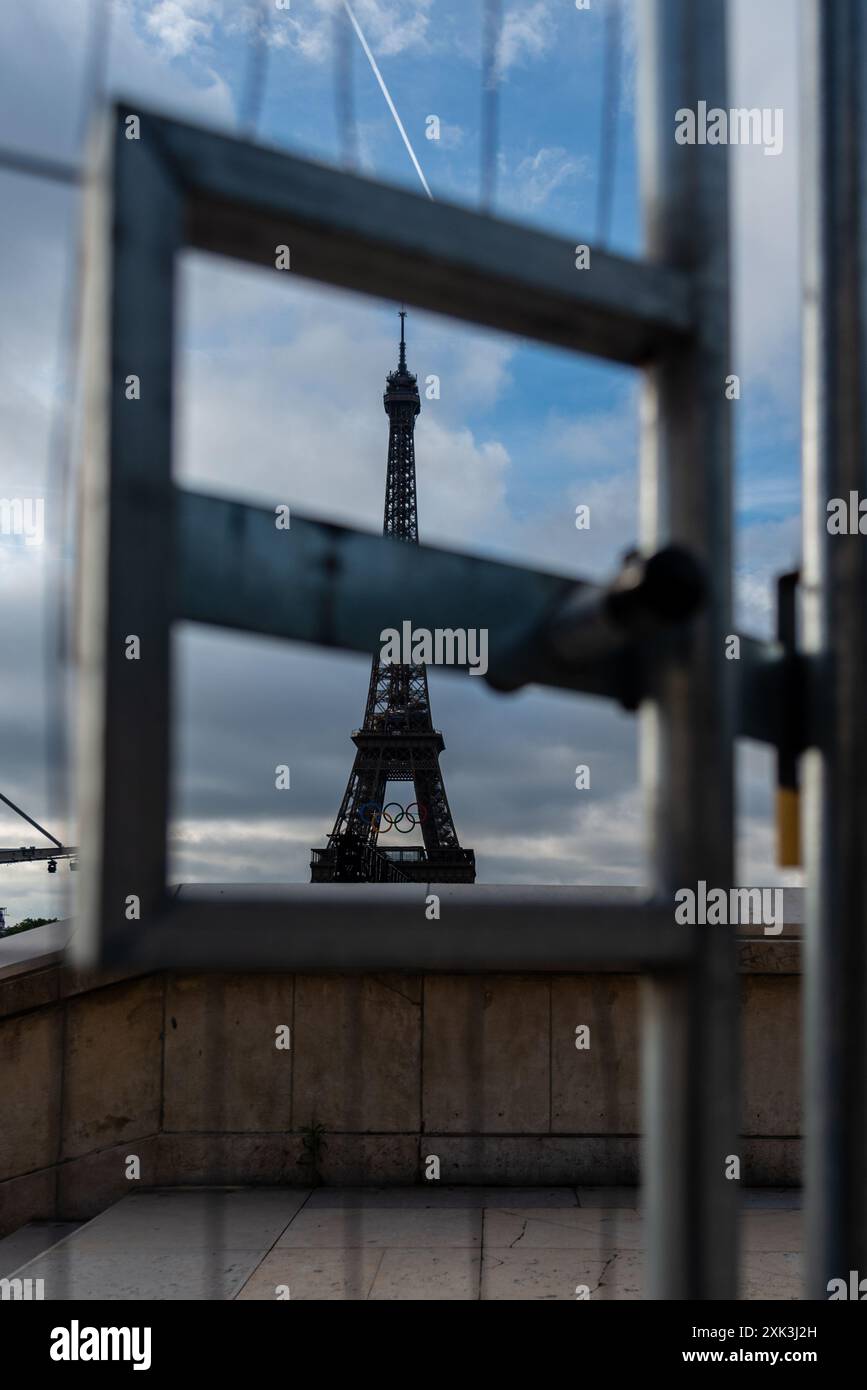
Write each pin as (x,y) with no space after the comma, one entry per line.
(594,1228)
(773,1275)
(765,1231)
(456,1244)
(406,1229)
(580,1228)
(540,1274)
(427,1275)
(439,1198)
(185,1220)
(314,1274)
(536,1274)
(157,1275)
(32,1240)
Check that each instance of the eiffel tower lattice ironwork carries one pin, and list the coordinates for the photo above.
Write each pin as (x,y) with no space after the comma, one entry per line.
(397,741)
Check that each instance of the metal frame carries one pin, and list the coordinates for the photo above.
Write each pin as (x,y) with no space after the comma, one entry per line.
(153,555)
(210,560)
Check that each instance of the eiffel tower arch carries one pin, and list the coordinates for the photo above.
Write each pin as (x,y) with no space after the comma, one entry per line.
(397,741)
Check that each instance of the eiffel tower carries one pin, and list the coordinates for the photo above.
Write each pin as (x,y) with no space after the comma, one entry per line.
(397,741)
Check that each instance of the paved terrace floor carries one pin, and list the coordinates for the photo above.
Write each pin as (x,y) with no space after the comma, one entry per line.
(398,1243)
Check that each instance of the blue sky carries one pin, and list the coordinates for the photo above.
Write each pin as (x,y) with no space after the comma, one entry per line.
(519,436)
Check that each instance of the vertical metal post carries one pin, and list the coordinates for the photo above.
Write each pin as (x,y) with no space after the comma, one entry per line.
(690,1019)
(126,564)
(834,181)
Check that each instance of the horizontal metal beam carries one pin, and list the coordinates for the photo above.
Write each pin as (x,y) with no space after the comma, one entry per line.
(336,587)
(367,927)
(244,201)
(317,582)
(27,854)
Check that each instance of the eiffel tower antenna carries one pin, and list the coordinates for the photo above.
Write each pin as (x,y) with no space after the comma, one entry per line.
(397,741)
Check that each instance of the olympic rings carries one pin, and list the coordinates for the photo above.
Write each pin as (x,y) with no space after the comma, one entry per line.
(375,815)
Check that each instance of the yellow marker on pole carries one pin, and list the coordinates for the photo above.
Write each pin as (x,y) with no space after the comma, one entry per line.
(789,827)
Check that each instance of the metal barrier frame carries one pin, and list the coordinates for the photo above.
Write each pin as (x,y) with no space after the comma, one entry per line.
(144,566)
(153,555)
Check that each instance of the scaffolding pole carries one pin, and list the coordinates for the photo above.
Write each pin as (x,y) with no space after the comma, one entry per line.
(689,1017)
(834,180)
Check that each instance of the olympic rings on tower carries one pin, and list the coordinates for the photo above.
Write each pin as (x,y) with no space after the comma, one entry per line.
(403,820)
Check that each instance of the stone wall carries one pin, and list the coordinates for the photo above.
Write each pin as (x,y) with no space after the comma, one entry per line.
(383,1071)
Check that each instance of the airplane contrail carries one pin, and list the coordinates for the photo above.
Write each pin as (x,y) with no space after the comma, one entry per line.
(385,92)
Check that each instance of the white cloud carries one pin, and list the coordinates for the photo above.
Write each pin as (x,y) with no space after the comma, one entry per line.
(244,850)
(391,27)
(289,407)
(394,26)
(600,842)
(176,26)
(144,67)
(537,176)
(527,32)
(462,483)
(312,38)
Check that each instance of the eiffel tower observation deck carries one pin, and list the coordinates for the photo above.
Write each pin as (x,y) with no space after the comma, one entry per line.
(397,741)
